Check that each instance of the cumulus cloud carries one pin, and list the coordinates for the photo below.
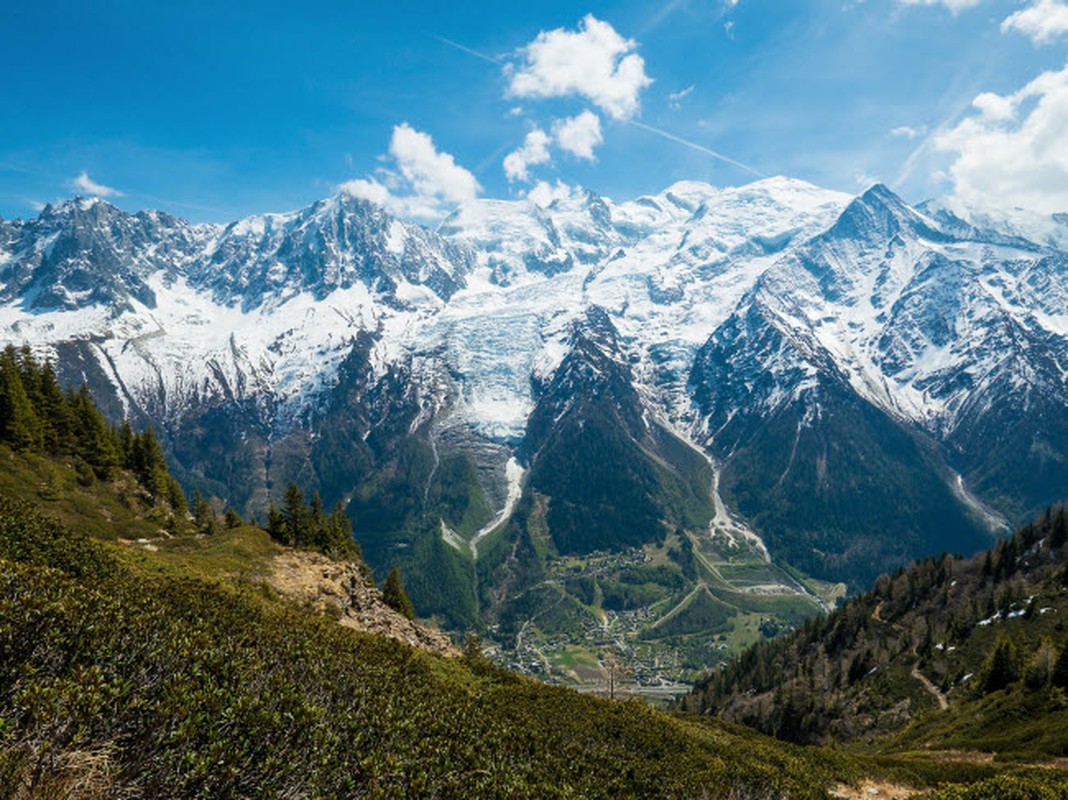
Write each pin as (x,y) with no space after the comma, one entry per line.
(1012,151)
(1042,22)
(544,193)
(535,150)
(579,135)
(424,182)
(593,62)
(83,183)
(952,5)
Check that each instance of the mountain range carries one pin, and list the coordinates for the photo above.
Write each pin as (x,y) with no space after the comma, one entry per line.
(829,382)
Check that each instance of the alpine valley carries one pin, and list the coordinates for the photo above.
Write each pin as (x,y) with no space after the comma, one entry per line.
(672,425)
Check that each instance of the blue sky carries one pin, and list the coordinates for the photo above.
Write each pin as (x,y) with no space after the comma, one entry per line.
(214,111)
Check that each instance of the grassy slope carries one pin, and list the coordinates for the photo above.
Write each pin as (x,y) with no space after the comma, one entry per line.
(129,675)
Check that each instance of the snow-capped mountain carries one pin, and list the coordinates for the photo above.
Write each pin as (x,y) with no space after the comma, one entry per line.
(870,380)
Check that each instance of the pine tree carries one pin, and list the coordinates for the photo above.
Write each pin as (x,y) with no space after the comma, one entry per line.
(147,462)
(96,442)
(232,519)
(126,446)
(19,425)
(55,412)
(338,541)
(296,517)
(176,497)
(394,595)
(1059,536)
(276,524)
(203,516)
(1002,668)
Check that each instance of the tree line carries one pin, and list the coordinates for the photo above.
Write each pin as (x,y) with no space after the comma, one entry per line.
(37,416)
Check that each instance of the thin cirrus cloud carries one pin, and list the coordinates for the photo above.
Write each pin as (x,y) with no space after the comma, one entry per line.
(1011,149)
(953,5)
(593,62)
(908,132)
(675,98)
(423,181)
(83,183)
(1042,22)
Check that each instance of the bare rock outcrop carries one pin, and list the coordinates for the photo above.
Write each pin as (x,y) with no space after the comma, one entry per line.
(339,588)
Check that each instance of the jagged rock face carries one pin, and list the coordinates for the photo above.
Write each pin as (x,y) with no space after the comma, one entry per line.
(827,350)
(87,252)
(942,330)
(333,244)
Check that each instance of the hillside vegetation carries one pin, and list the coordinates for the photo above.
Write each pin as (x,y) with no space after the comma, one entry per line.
(949,653)
(129,679)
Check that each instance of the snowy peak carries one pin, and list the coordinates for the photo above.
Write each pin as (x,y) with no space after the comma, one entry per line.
(88,252)
(330,245)
(519,240)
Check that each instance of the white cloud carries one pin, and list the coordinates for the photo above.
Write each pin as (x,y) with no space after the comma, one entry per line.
(594,62)
(544,193)
(535,150)
(675,98)
(424,182)
(579,135)
(908,132)
(952,5)
(1043,22)
(1013,152)
(83,183)
(430,173)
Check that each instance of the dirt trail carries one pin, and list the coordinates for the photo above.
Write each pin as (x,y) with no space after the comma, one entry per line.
(935,692)
(924,681)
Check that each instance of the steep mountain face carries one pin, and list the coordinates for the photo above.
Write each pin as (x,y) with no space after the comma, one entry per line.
(889,352)
(87,252)
(333,244)
(612,473)
(864,381)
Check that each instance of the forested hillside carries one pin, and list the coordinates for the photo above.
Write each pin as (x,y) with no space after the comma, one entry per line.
(972,652)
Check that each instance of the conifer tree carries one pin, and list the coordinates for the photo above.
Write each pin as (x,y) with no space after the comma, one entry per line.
(97,444)
(1059,536)
(232,519)
(394,595)
(295,514)
(55,412)
(126,445)
(276,524)
(176,497)
(19,425)
(203,516)
(1002,668)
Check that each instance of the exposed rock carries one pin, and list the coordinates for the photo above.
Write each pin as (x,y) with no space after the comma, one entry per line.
(340,588)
